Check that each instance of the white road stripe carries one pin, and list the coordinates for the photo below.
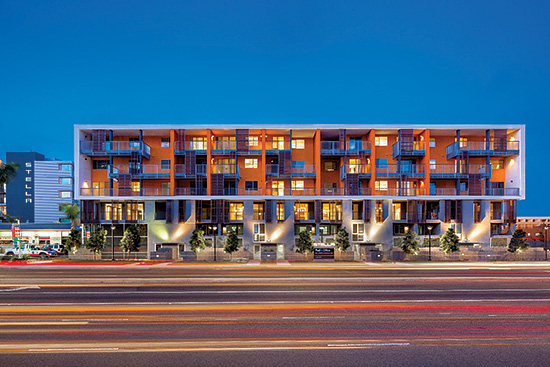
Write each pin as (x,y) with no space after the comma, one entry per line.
(18,289)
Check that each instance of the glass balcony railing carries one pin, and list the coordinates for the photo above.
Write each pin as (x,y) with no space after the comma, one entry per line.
(183,171)
(228,170)
(144,191)
(120,148)
(452,171)
(483,148)
(198,146)
(363,170)
(409,149)
(396,170)
(190,191)
(142,171)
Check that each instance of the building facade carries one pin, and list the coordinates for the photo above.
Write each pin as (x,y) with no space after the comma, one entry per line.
(537,229)
(270,183)
(39,187)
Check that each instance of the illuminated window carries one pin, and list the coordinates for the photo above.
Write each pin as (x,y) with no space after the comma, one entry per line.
(236,211)
(297,185)
(330,166)
(278,188)
(398,209)
(250,163)
(357,232)
(278,142)
(298,144)
(258,210)
(113,211)
(259,232)
(65,194)
(280,211)
(134,211)
(381,141)
(354,165)
(136,186)
(253,141)
(381,185)
(433,165)
(332,211)
(432,142)
(301,211)
(224,165)
(497,163)
(198,143)
(65,180)
(379,212)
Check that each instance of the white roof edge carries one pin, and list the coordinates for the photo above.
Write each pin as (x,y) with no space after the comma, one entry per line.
(311,126)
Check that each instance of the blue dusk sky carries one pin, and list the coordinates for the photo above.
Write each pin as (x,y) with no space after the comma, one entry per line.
(309,62)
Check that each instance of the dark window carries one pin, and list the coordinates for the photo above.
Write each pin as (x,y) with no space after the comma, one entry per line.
(237,228)
(423,229)
(300,228)
(165,142)
(496,210)
(357,210)
(400,229)
(165,164)
(330,166)
(160,210)
(251,185)
(477,211)
(100,164)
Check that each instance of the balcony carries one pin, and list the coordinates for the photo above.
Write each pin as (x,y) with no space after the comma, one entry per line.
(409,149)
(117,148)
(181,171)
(333,191)
(483,148)
(190,191)
(405,191)
(228,170)
(199,147)
(306,191)
(395,170)
(298,171)
(332,148)
(238,191)
(505,192)
(141,171)
(354,147)
(273,147)
(452,171)
(249,147)
(144,191)
(224,146)
(363,170)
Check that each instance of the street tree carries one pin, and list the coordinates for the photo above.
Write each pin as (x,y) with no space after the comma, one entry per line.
(197,241)
(8,172)
(342,239)
(97,240)
(72,213)
(449,241)
(231,242)
(410,244)
(131,241)
(74,241)
(518,241)
(304,243)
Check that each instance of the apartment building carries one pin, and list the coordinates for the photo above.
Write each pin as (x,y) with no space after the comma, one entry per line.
(41,184)
(269,183)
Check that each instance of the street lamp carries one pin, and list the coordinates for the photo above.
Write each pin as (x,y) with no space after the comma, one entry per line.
(430,242)
(545,242)
(215,228)
(112,242)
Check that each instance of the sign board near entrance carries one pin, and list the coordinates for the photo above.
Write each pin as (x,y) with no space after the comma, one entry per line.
(323,253)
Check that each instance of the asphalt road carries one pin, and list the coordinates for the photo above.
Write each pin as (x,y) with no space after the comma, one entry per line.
(324,315)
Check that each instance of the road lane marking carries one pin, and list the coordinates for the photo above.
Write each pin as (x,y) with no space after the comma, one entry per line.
(70,349)
(366,345)
(43,323)
(18,289)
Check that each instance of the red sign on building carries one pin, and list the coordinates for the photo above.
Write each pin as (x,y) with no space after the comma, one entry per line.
(15,231)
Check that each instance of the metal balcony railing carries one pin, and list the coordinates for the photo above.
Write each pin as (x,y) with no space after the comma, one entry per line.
(332,148)
(190,191)
(144,191)
(357,147)
(306,191)
(142,171)
(224,146)
(363,170)
(181,171)
(400,192)
(333,191)
(120,148)
(200,146)
(452,171)
(483,148)
(409,149)
(238,191)
(274,146)
(305,171)
(500,192)
(228,170)
(396,170)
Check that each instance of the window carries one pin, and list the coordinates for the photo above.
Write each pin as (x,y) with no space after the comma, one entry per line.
(332,211)
(236,211)
(134,211)
(298,164)
(301,211)
(424,231)
(497,163)
(496,210)
(251,185)
(258,210)
(381,141)
(330,166)
(237,228)
(433,165)
(278,142)
(136,186)
(297,185)
(399,211)
(259,232)
(65,167)
(278,188)
(379,212)
(280,211)
(165,164)
(463,142)
(298,228)
(65,180)
(432,142)
(198,143)
(477,211)
(432,210)
(357,232)
(298,144)
(165,142)
(499,229)
(112,211)
(400,229)
(381,185)
(65,194)
(251,163)
(165,188)
(253,141)
(355,165)
(100,164)
(160,210)
(224,165)
(357,210)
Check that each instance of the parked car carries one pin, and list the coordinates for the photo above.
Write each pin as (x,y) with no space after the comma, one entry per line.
(56,248)
(29,250)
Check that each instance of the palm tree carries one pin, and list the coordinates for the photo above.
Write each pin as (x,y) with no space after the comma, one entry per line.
(8,172)
(71,212)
